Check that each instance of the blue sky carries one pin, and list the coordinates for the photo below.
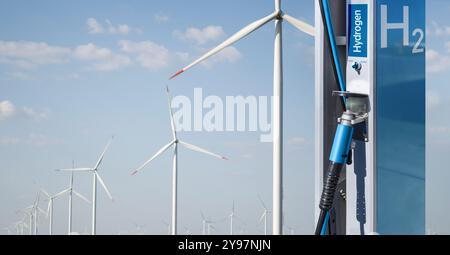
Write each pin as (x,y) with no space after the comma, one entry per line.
(73,73)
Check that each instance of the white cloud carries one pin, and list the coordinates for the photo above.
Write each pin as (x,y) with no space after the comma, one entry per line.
(439,30)
(7,110)
(201,36)
(149,54)
(91,52)
(122,29)
(161,18)
(26,54)
(33,114)
(94,27)
(31,139)
(437,62)
(183,56)
(146,53)
(103,59)
(19,76)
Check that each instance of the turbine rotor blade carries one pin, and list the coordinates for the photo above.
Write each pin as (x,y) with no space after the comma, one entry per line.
(45,193)
(234,38)
(85,169)
(49,205)
(161,151)
(262,202)
(61,193)
(262,216)
(81,196)
(100,159)
(104,186)
(172,122)
(41,211)
(203,217)
(300,25)
(201,150)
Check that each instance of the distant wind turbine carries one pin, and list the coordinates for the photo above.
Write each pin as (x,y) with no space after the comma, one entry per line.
(208,224)
(264,215)
(175,142)
(71,191)
(278,16)
(34,211)
(53,197)
(28,212)
(96,177)
(231,219)
(50,207)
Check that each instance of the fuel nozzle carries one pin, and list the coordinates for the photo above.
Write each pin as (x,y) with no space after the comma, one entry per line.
(356,112)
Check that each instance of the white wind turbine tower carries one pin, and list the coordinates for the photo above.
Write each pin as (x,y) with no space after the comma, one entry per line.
(278,16)
(264,215)
(96,177)
(175,142)
(233,217)
(71,191)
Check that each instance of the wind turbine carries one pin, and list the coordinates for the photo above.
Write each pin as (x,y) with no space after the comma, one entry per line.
(278,16)
(264,215)
(50,203)
(231,219)
(175,142)
(34,212)
(20,226)
(50,207)
(234,217)
(96,177)
(28,212)
(208,225)
(71,191)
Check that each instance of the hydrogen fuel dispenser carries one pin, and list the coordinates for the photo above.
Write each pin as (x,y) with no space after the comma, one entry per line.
(370,116)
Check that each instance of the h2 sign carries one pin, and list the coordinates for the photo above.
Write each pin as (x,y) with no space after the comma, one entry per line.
(392,20)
